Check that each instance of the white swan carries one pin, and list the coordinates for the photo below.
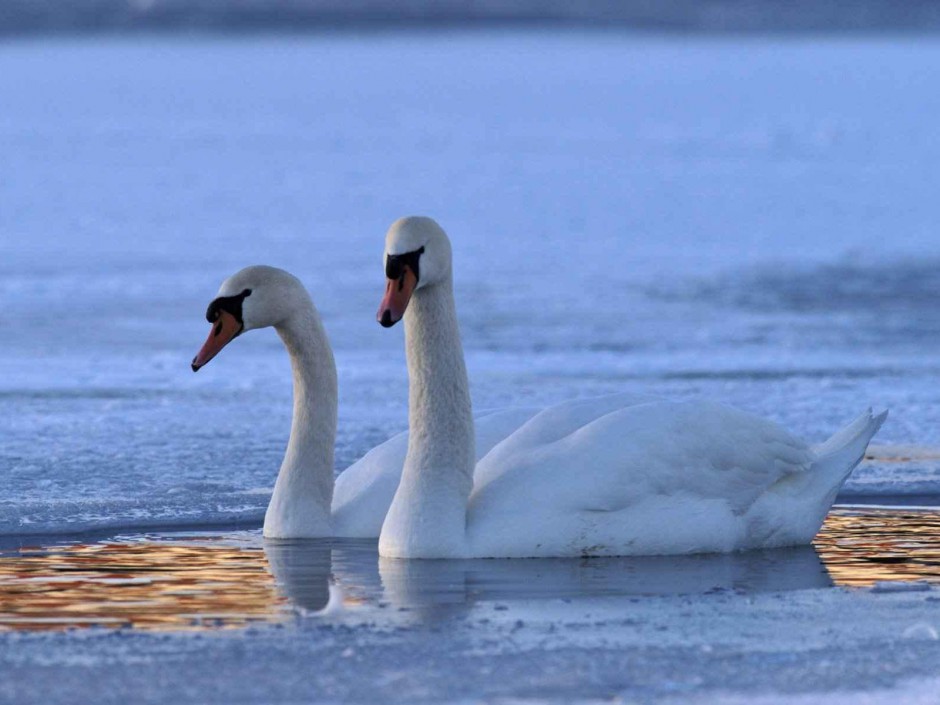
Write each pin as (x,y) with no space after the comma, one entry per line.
(304,503)
(619,475)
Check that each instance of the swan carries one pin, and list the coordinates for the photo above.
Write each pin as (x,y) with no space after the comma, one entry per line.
(305,503)
(617,475)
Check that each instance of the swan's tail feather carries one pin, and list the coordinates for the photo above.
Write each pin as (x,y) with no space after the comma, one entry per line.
(859,432)
(839,456)
(795,507)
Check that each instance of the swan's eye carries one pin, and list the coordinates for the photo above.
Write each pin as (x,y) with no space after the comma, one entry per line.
(393,267)
(395,264)
(229,304)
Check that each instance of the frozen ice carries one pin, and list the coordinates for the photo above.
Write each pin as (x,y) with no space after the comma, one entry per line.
(752,220)
(749,221)
(921,630)
(901,586)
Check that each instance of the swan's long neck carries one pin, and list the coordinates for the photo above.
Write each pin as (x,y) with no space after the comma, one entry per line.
(427,518)
(300,505)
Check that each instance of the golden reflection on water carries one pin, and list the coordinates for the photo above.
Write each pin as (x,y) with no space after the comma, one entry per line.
(153,585)
(191,583)
(862,547)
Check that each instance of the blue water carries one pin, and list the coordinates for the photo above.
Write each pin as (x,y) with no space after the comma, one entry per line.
(749,220)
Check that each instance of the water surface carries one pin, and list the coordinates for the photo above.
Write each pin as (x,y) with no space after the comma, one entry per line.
(746,220)
(200,581)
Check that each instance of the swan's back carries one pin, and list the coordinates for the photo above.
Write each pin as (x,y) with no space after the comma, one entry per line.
(626,475)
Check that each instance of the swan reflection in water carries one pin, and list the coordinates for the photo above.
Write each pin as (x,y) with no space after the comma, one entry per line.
(305,570)
(202,581)
(856,548)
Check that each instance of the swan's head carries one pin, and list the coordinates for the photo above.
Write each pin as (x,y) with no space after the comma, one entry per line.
(255,297)
(417,255)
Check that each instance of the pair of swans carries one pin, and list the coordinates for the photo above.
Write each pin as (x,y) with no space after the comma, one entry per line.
(611,476)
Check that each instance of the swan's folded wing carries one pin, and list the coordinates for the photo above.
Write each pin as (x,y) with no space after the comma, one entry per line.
(694,452)
(546,428)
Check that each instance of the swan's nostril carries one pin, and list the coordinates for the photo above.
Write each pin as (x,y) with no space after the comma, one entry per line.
(386,320)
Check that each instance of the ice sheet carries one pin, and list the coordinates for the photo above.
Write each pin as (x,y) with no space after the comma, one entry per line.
(750,220)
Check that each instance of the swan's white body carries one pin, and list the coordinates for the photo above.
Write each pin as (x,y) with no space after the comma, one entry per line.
(618,475)
(363,492)
(305,503)
(621,476)
(365,489)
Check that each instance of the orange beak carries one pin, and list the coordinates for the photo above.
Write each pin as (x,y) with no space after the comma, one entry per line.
(397,295)
(224,330)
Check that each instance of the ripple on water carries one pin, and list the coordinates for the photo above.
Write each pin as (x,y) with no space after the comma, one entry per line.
(181,582)
(864,546)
